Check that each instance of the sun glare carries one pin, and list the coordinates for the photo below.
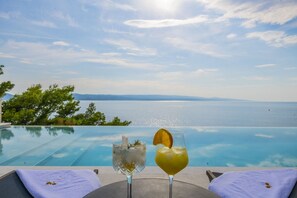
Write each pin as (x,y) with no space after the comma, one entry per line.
(169,6)
(166,7)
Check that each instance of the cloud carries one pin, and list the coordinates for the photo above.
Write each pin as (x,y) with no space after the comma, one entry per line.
(274,38)
(108,4)
(120,6)
(4,15)
(65,18)
(166,22)
(9,15)
(264,136)
(110,54)
(25,61)
(63,71)
(124,63)
(159,7)
(257,78)
(114,31)
(3,55)
(49,54)
(61,43)
(249,24)
(269,12)
(180,75)
(26,35)
(290,68)
(265,65)
(44,23)
(131,48)
(203,72)
(199,48)
(167,76)
(293,79)
(231,36)
(40,53)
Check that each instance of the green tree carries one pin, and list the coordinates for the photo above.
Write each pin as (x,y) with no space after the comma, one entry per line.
(117,122)
(35,106)
(24,108)
(4,86)
(56,100)
(93,117)
(54,106)
(90,117)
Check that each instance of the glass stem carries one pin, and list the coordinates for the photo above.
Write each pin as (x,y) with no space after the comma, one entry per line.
(170,185)
(129,186)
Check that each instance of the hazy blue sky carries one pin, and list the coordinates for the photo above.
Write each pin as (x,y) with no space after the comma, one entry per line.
(208,48)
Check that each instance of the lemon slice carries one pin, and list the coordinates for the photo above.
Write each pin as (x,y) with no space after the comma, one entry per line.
(162,136)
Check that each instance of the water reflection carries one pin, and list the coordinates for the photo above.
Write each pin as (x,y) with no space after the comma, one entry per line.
(52,131)
(5,134)
(34,131)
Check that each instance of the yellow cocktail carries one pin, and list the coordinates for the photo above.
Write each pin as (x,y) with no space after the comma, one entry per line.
(171,154)
(172,160)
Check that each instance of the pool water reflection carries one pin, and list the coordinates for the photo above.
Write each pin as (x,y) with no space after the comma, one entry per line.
(91,146)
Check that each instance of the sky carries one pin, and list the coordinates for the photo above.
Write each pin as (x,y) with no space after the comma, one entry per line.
(208,48)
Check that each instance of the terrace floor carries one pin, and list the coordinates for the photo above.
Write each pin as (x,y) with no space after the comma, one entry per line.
(194,175)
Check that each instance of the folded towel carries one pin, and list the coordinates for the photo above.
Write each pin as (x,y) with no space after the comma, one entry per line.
(255,184)
(59,183)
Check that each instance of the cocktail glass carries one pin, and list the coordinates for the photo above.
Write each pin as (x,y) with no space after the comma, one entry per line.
(172,160)
(128,160)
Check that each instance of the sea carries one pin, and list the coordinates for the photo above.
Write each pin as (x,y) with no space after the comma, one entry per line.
(199,113)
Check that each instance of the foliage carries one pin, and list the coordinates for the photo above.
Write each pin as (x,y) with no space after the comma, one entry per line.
(54,106)
(117,122)
(91,116)
(35,106)
(4,86)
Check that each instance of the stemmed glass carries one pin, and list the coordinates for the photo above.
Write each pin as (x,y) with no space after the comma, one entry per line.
(174,159)
(128,159)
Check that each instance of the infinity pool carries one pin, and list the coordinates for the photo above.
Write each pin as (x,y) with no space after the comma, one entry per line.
(91,146)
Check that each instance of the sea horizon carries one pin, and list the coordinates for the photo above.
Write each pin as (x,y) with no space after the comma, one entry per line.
(199,113)
(153,97)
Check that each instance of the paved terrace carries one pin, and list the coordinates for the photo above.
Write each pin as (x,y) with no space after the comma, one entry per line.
(194,175)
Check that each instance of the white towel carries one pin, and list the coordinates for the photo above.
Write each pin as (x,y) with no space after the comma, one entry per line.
(255,184)
(59,183)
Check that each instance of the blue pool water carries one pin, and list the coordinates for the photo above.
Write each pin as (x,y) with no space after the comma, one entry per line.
(91,146)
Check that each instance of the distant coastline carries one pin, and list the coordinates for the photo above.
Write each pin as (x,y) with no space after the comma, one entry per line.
(152,97)
(149,97)
(145,97)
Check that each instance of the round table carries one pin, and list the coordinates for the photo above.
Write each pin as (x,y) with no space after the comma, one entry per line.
(151,188)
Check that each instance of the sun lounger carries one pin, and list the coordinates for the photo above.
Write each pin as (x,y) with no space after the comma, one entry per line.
(212,175)
(12,186)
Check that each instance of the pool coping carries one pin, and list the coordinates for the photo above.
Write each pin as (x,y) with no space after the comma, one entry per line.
(5,125)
